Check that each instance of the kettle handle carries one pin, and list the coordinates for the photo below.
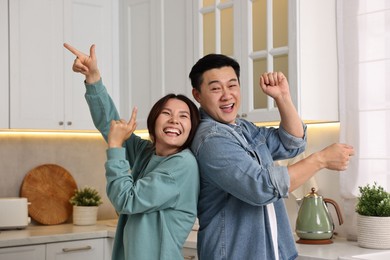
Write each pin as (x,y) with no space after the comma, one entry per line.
(337,208)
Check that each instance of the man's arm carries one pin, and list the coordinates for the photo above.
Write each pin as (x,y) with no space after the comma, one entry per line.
(334,157)
(275,85)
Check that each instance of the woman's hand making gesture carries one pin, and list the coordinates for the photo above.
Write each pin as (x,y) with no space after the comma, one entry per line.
(84,64)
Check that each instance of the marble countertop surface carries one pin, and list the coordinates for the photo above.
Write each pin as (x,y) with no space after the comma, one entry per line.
(341,248)
(41,234)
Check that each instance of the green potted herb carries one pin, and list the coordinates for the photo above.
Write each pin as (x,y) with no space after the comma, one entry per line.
(85,203)
(373,222)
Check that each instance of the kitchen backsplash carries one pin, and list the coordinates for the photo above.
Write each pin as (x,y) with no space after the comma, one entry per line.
(83,155)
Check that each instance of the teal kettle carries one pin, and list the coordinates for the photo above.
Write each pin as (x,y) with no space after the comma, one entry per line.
(314,223)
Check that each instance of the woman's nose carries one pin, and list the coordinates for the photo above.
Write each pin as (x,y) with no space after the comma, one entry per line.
(174,119)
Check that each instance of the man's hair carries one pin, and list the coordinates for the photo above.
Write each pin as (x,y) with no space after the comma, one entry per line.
(208,62)
(159,106)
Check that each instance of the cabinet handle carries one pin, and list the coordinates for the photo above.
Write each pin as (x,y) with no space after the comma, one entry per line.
(244,115)
(189,257)
(69,123)
(61,123)
(72,249)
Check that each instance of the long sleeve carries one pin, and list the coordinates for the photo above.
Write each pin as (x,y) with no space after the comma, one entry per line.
(101,106)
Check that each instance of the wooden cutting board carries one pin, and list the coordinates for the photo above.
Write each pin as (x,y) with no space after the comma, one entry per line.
(48,188)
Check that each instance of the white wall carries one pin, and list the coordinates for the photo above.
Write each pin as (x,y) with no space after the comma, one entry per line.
(320,136)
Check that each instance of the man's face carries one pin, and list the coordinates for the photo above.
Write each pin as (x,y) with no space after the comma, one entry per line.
(220,94)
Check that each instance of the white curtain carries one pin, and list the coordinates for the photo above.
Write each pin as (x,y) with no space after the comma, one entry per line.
(363,32)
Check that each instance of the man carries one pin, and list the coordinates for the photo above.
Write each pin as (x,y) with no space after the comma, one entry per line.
(241,210)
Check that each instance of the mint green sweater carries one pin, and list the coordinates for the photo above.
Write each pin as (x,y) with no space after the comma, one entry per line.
(155,196)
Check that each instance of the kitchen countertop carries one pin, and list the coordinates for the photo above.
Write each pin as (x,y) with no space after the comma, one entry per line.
(340,247)
(40,234)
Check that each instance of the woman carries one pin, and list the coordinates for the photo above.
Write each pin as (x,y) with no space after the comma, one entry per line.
(157,200)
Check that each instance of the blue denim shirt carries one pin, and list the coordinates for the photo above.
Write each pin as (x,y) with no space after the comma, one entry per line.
(238,180)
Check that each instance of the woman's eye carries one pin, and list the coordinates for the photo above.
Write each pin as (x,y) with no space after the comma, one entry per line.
(165,112)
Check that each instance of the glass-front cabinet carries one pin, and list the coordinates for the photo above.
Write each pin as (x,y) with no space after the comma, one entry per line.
(269,35)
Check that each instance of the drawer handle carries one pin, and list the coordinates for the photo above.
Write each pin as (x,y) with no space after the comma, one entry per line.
(83,248)
(190,257)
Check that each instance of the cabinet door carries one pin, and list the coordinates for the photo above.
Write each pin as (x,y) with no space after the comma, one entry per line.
(108,246)
(86,22)
(297,37)
(156,50)
(4,80)
(45,92)
(91,249)
(36,252)
(36,67)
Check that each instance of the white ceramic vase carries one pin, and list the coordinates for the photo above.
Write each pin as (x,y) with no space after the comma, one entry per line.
(85,215)
(373,232)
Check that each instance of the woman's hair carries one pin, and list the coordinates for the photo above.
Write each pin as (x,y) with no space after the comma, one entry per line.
(208,62)
(159,106)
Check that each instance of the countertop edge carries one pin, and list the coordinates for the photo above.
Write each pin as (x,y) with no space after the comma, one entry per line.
(41,234)
(44,234)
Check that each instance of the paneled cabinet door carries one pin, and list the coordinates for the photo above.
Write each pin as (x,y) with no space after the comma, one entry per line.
(108,246)
(44,92)
(36,252)
(91,249)
(157,53)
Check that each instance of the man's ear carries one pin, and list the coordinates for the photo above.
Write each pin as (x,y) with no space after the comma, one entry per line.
(196,94)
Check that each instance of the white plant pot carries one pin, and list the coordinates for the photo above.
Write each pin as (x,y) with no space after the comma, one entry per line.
(373,232)
(84,216)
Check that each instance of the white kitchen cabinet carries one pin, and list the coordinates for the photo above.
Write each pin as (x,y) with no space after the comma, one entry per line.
(88,249)
(4,79)
(156,53)
(91,249)
(313,64)
(44,91)
(34,252)
(297,37)
(108,246)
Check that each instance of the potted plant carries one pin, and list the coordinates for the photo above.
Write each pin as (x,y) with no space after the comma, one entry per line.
(85,203)
(373,222)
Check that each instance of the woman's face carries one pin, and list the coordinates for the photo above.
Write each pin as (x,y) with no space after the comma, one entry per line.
(173,127)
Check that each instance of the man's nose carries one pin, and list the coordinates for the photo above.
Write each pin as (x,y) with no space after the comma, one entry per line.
(225,93)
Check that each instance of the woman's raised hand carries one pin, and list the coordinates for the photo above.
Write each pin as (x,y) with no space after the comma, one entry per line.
(120,130)
(84,64)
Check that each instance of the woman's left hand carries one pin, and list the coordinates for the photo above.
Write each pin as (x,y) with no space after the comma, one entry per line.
(120,130)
